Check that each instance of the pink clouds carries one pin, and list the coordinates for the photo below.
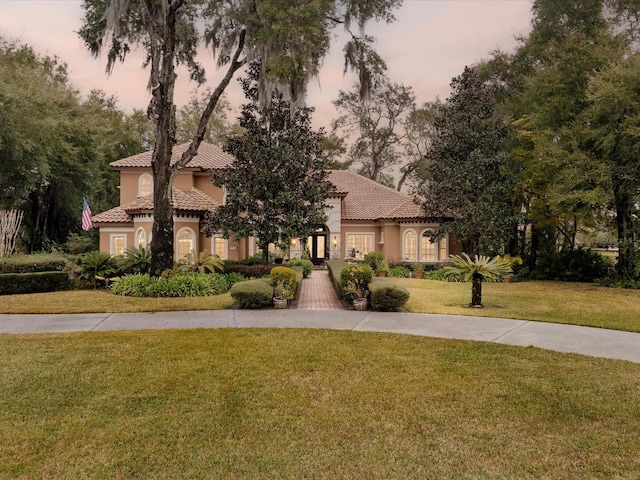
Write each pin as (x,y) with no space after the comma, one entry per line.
(430,43)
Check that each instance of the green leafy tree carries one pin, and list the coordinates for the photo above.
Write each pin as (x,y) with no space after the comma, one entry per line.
(377,121)
(54,146)
(468,184)
(290,38)
(276,188)
(611,133)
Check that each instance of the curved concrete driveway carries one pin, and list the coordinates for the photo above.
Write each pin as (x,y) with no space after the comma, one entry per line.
(594,342)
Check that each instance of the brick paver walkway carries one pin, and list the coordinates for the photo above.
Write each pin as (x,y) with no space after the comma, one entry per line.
(317,293)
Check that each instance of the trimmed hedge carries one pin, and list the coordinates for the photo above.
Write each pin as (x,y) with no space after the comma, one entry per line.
(307,265)
(386,296)
(38,262)
(335,269)
(36,282)
(248,271)
(186,284)
(252,294)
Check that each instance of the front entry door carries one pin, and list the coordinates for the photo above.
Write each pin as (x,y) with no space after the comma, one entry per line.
(318,247)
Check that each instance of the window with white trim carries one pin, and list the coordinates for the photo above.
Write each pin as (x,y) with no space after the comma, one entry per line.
(219,246)
(145,185)
(443,254)
(185,245)
(117,245)
(428,247)
(359,244)
(410,246)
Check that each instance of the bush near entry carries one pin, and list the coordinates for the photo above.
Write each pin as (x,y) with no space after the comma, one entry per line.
(253,293)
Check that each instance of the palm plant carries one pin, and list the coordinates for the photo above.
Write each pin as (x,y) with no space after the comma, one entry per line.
(476,270)
(204,262)
(136,260)
(97,266)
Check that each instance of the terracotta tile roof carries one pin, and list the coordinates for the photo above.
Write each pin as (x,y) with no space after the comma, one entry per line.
(209,157)
(115,215)
(190,201)
(369,200)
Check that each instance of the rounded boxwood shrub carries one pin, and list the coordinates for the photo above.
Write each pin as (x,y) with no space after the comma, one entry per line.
(284,275)
(386,296)
(252,294)
(374,259)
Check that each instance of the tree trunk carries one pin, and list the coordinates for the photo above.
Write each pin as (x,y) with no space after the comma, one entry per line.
(626,241)
(476,291)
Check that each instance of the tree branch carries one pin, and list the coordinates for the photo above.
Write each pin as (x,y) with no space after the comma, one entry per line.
(234,65)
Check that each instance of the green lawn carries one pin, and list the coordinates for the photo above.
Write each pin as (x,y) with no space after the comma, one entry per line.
(309,404)
(560,302)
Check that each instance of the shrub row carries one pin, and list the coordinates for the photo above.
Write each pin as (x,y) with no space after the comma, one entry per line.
(335,269)
(34,263)
(248,271)
(187,284)
(36,282)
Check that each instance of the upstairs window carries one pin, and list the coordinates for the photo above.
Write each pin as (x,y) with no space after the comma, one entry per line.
(145,185)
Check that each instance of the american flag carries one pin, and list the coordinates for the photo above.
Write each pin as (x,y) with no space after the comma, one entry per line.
(86,215)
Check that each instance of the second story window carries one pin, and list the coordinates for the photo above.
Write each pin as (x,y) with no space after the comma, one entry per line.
(145,185)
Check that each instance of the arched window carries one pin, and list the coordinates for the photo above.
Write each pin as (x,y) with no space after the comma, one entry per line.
(409,246)
(145,185)
(185,244)
(141,238)
(428,247)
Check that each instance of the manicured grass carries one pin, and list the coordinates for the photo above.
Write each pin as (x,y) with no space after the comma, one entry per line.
(309,404)
(560,302)
(100,301)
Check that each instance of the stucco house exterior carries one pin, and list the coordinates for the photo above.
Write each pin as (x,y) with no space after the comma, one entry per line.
(362,216)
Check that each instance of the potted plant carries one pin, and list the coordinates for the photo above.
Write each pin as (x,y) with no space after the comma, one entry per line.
(512,261)
(358,295)
(418,268)
(281,295)
(382,269)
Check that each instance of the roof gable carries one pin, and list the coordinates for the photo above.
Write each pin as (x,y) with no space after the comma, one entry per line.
(365,199)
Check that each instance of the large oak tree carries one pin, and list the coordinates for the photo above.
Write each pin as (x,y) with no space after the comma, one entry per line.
(290,37)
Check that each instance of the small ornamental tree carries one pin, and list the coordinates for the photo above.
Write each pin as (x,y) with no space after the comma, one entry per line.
(276,188)
(477,269)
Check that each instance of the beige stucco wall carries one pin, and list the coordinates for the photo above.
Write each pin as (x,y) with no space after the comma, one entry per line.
(202,181)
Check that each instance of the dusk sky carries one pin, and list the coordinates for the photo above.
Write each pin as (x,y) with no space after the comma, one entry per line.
(430,43)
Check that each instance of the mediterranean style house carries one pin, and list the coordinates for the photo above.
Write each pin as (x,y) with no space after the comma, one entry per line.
(362,216)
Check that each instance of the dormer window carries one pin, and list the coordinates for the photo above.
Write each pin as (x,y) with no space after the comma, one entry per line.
(145,185)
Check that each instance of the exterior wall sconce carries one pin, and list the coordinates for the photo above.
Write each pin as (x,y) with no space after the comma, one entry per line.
(294,242)
(335,241)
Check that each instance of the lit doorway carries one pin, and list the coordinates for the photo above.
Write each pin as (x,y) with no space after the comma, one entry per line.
(318,245)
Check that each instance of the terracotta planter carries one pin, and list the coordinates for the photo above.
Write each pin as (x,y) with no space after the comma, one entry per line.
(381,273)
(280,303)
(506,279)
(417,275)
(360,305)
